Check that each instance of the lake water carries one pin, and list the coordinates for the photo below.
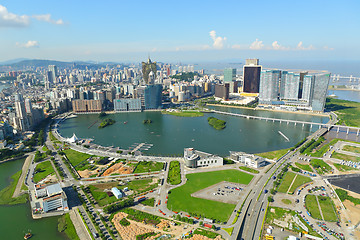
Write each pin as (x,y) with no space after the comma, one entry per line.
(170,134)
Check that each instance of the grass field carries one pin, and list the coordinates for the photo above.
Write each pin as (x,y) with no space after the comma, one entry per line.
(148,166)
(274,154)
(75,157)
(149,202)
(320,152)
(180,199)
(320,166)
(7,193)
(248,169)
(65,225)
(138,186)
(312,206)
(42,170)
(185,113)
(286,182)
(343,168)
(327,208)
(353,149)
(304,167)
(300,180)
(174,175)
(100,196)
(348,112)
(345,157)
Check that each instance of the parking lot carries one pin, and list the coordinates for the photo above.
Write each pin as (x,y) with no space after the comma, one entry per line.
(225,192)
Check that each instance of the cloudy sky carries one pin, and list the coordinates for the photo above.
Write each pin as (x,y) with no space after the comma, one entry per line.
(179,30)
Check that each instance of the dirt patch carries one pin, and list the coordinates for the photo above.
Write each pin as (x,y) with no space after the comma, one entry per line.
(118,168)
(86,173)
(354,216)
(201,237)
(136,228)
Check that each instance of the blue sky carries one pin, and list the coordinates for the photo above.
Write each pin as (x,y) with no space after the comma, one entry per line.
(179,30)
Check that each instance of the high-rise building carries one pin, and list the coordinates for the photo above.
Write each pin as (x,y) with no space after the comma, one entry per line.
(127,104)
(289,86)
(147,68)
(252,61)
(308,85)
(87,106)
(52,73)
(320,87)
(229,74)
(251,76)
(269,86)
(222,91)
(153,96)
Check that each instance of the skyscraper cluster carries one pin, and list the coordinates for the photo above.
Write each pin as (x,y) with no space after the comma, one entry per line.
(298,89)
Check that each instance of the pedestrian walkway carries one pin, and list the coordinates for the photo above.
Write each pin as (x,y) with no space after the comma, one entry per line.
(20,182)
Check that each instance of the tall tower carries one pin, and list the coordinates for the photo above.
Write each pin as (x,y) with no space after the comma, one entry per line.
(52,75)
(148,67)
(251,76)
(269,86)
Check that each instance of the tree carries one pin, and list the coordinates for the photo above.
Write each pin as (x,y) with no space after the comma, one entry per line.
(270,199)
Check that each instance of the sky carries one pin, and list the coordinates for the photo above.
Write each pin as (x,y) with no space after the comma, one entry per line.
(179,31)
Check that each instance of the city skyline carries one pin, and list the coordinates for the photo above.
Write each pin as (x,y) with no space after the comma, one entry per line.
(179,32)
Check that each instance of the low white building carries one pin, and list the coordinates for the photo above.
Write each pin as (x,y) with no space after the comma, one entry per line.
(194,159)
(250,160)
(117,193)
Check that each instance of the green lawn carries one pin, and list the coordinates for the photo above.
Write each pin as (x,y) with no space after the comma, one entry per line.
(320,152)
(327,208)
(286,182)
(185,113)
(353,149)
(65,225)
(345,157)
(180,199)
(273,154)
(348,112)
(75,157)
(42,170)
(312,206)
(343,168)
(7,193)
(304,167)
(320,166)
(174,175)
(300,180)
(100,196)
(248,169)
(148,166)
(149,202)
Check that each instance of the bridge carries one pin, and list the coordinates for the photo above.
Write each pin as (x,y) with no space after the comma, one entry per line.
(295,122)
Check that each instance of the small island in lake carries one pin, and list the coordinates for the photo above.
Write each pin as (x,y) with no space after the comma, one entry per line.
(106,122)
(147,121)
(216,123)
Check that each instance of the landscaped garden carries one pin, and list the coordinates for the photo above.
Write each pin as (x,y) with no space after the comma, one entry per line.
(291,182)
(174,175)
(180,198)
(148,166)
(320,166)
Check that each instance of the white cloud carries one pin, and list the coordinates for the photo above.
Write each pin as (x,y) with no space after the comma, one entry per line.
(301,47)
(257,45)
(277,46)
(8,19)
(47,18)
(28,44)
(236,46)
(218,41)
(328,48)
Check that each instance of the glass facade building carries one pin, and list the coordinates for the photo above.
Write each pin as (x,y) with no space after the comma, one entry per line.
(229,74)
(153,96)
(251,76)
(321,84)
(269,86)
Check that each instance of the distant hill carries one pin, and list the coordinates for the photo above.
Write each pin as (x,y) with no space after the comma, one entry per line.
(37,63)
